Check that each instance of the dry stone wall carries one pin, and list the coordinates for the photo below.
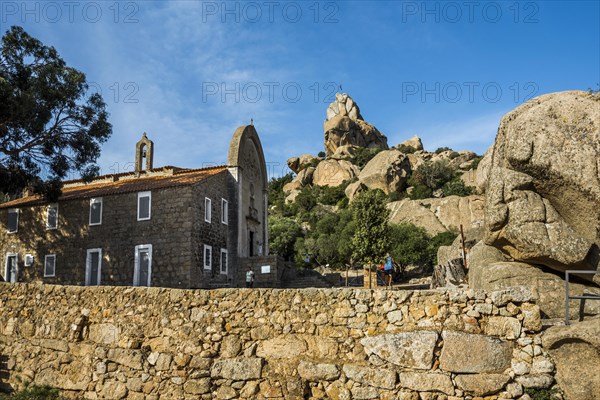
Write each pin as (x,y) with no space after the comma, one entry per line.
(156,343)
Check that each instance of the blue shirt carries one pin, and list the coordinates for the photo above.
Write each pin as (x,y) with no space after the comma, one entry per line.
(388,264)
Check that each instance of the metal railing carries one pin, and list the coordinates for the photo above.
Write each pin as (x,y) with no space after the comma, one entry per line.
(580,298)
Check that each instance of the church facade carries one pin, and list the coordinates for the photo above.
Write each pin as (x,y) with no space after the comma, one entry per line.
(166,227)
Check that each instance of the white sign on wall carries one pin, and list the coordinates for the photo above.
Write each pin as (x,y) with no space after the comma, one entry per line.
(265,269)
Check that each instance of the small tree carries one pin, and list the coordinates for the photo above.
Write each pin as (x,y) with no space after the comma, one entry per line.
(371,237)
(409,245)
(283,233)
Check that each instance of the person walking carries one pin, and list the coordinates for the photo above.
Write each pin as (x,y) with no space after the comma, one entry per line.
(249,278)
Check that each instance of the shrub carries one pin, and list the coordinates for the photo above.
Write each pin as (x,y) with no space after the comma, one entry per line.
(406,149)
(409,244)
(363,155)
(321,154)
(421,192)
(442,149)
(441,239)
(432,174)
(456,187)
(34,392)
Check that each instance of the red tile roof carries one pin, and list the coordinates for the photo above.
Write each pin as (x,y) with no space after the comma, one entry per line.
(127,182)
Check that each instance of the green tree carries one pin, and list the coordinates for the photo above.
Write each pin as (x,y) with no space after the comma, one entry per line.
(456,187)
(409,245)
(441,239)
(432,174)
(371,237)
(283,233)
(49,125)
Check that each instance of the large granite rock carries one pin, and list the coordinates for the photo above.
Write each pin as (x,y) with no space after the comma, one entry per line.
(334,172)
(406,349)
(575,350)
(547,286)
(345,126)
(303,178)
(543,185)
(414,142)
(440,215)
(470,353)
(483,170)
(387,171)
(297,164)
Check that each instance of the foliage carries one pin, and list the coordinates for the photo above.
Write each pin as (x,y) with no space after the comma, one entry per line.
(283,233)
(371,237)
(405,149)
(395,196)
(33,392)
(475,162)
(456,187)
(321,154)
(49,126)
(432,174)
(442,149)
(421,192)
(441,239)
(409,244)
(276,195)
(541,394)
(362,155)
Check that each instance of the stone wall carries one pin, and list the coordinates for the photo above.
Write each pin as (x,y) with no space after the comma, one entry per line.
(156,343)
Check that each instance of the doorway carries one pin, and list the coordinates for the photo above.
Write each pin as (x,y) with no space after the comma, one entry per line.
(251,244)
(11,270)
(142,274)
(93,267)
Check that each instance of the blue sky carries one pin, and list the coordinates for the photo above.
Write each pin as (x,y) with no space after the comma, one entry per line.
(189,72)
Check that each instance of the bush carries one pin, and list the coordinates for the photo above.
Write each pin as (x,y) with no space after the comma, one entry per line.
(441,239)
(442,149)
(541,394)
(321,154)
(34,392)
(406,149)
(476,161)
(363,155)
(421,192)
(456,187)
(283,233)
(432,174)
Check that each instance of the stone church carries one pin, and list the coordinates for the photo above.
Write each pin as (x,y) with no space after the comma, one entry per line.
(166,227)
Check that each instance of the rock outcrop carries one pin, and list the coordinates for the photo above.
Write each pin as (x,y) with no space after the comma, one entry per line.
(345,126)
(334,172)
(439,215)
(387,171)
(543,184)
(297,164)
(414,142)
(575,350)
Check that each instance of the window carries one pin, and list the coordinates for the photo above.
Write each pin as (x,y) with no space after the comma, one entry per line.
(93,267)
(142,272)
(96,211)
(13,220)
(144,206)
(224,261)
(207,257)
(49,265)
(224,211)
(52,216)
(207,210)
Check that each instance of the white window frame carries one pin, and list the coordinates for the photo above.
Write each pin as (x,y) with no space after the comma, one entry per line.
(209,265)
(88,266)
(13,210)
(136,268)
(207,210)
(16,255)
(46,258)
(93,201)
(224,251)
(139,197)
(224,212)
(48,226)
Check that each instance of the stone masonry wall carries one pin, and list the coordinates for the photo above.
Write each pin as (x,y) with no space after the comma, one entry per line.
(157,343)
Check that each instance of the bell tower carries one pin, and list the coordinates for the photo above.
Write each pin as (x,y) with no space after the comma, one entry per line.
(144,149)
